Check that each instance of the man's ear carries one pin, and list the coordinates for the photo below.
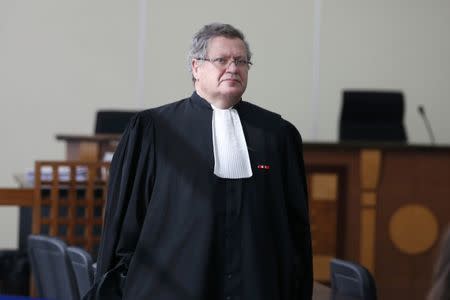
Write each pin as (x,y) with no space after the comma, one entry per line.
(195,64)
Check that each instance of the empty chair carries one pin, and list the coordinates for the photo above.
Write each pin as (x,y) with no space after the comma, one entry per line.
(372,116)
(51,268)
(112,121)
(82,266)
(350,279)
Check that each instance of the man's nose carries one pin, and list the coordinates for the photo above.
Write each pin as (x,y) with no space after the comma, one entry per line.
(232,67)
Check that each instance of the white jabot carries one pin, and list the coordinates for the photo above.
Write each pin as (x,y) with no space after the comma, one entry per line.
(231,159)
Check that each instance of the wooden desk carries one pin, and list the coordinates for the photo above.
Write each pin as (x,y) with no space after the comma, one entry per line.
(16,197)
(23,198)
(384,205)
(88,147)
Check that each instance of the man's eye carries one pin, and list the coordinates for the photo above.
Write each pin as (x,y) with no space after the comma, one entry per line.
(220,60)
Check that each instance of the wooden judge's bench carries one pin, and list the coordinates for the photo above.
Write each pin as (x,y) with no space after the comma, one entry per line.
(383,205)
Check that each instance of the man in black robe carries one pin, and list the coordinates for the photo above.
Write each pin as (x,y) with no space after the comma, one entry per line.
(207,196)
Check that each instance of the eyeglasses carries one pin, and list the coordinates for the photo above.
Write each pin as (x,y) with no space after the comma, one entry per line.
(222,62)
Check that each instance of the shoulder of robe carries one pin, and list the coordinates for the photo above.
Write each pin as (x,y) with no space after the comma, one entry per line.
(145,118)
(169,109)
(269,120)
(258,116)
(289,131)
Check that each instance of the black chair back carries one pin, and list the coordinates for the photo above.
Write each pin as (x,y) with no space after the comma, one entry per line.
(51,268)
(82,266)
(372,116)
(350,279)
(112,121)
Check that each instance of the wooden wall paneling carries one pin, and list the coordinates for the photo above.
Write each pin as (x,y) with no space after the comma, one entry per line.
(319,158)
(370,166)
(326,187)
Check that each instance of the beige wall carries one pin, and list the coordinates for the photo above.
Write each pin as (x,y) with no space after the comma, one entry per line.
(60,61)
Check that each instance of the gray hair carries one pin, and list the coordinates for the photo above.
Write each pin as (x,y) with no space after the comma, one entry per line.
(206,33)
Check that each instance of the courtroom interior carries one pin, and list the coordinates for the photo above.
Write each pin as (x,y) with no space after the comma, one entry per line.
(366,83)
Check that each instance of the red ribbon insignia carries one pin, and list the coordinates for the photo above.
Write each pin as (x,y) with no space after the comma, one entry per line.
(264,167)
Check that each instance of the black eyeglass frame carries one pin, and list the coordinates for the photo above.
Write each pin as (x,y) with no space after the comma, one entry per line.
(225,63)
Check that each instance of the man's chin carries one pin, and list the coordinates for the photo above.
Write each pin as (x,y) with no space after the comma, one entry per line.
(233,87)
(235,93)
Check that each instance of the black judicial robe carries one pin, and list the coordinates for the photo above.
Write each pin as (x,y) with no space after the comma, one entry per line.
(175,231)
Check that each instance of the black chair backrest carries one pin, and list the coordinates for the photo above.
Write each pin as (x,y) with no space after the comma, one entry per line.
(112,121)
(372,116)
(350,279)
(82,266)
(51,268)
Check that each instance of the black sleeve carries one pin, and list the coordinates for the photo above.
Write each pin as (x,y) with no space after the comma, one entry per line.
(129,191)
(298,211)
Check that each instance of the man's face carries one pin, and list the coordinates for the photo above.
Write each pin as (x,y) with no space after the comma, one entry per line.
(223,81)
